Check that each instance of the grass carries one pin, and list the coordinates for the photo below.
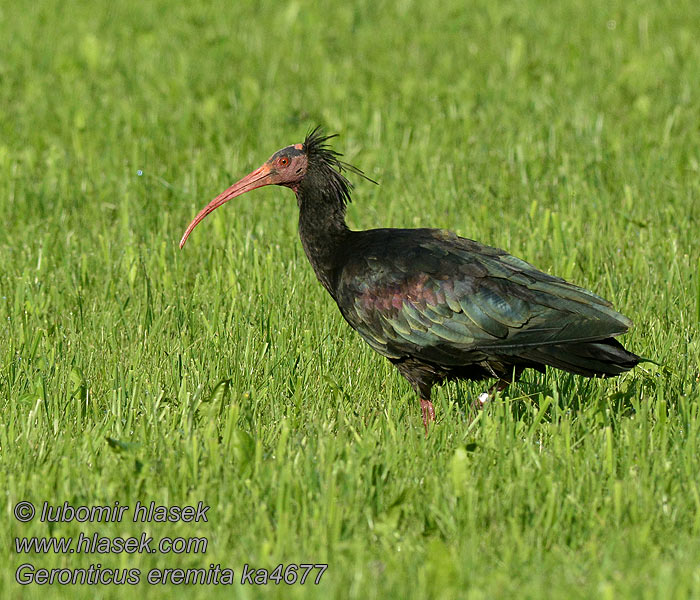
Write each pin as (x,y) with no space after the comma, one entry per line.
(566,133)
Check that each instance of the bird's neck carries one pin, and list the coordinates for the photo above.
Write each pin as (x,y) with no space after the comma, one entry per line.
(322,230)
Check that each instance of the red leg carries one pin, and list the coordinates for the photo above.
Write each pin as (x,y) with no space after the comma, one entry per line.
(428,410)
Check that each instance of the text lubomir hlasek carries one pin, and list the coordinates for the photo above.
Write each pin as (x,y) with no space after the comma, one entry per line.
(143,513)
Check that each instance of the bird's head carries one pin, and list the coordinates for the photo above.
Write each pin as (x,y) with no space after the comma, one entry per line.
(289,167)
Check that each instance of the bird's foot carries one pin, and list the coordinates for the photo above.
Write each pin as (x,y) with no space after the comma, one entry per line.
(428,410)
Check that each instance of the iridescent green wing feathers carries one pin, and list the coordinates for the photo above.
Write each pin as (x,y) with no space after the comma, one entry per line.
(435,296)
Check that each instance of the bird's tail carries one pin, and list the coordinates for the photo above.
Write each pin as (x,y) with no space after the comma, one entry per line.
(602,358)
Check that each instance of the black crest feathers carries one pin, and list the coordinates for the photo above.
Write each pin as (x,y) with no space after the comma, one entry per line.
(321,154)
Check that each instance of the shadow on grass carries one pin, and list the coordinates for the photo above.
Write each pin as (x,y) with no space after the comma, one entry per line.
(606,400)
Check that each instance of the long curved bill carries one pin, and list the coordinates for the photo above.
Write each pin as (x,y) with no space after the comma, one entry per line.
(256,179)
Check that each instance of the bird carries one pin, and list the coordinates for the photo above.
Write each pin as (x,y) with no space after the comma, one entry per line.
(438,306)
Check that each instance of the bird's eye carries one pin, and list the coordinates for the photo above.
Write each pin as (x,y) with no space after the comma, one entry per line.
(284,161)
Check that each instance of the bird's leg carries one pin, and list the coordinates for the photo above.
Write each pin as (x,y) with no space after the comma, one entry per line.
(426,407)
(501,384)
(484,397)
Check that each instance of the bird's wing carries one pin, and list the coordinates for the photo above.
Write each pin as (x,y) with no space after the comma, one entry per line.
(433,295)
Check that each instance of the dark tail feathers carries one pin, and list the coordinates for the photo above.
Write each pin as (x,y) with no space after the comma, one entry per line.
(604,358)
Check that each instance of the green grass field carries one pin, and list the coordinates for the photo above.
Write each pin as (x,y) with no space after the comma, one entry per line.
(567,133)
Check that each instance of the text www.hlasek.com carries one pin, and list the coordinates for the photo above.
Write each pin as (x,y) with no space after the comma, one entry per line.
(98,544)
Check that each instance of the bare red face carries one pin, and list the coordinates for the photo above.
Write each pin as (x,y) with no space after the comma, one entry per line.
(285,167)
(288,166)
